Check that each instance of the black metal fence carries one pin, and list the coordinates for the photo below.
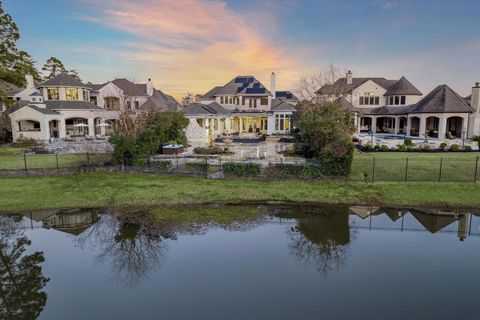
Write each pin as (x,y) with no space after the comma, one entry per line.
(416,169)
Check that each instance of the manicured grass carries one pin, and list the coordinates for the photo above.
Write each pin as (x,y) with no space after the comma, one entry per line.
(103,189)
(392,166)
(16,161)
(11,151)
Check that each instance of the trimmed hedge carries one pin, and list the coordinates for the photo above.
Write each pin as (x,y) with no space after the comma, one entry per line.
(155,164)
(241,169)
(308,170)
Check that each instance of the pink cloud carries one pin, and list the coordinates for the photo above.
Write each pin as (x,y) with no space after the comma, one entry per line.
(193,45)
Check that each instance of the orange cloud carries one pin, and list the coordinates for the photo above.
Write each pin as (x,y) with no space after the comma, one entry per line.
(194,45)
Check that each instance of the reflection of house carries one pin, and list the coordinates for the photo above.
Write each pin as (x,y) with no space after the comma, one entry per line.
(243,106)
(379,105)
(73,221)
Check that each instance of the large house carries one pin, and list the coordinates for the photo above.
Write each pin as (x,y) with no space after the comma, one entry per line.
(379,105)
(63,107)
(243,107)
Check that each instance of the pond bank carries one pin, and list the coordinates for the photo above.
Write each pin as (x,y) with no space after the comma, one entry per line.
(104,189)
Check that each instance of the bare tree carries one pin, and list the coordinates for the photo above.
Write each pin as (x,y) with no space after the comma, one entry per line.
(306,87)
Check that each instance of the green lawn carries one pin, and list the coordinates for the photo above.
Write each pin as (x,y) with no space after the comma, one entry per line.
(9,160)
(392,166)
(103,189)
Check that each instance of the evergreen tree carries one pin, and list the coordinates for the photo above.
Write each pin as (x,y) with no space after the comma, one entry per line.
(53,67)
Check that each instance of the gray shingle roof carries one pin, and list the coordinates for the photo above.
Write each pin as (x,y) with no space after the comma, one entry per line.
(129,88)
(63,80)
(280,105)
(403,87)
(242,85)
(32,106)
(203,109)
(341,87)
(347,106)
(442,99)
(42,110)
(70,105)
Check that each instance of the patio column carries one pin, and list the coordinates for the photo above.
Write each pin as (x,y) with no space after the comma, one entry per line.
(397,125)
(442,127)
(240,125)
(62,131)
(102,128)
(358,123)
(45,128)
(465,126)
(409,126)
(374,124)
(91,126)
(228,124)
(423,124)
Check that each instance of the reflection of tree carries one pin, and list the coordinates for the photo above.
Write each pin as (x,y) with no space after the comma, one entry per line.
(21,278)
(131,241)
(322,239)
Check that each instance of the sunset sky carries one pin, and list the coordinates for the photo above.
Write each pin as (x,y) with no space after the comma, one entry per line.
(194,45)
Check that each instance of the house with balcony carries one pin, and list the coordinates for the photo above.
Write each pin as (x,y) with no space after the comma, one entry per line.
(241,107)
(378,105)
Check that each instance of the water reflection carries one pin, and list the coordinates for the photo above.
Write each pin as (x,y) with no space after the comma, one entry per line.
(22,281)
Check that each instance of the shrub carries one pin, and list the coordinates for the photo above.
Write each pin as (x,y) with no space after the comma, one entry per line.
(454,147)
(307,170)
(146,162)
(211,150)
(26,142)
(241,169)
(376,147)
(196,166)
(467,148)
(384,147)
(368,147)
(337,161)
(402,148)
(408,142)
(443,146)
(161,164)
(425,147)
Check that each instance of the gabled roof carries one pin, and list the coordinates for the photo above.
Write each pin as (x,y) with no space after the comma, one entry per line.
(341,87)
(280,105)
(286,96)
(129,88)
(442,99)
(241,85)
(35,94)
(63,80)
(347,105)
(200,109)
(34,107)
(403,87)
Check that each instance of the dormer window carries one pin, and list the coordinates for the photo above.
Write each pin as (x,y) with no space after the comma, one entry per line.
(369,99)
(263,101)
(71,93)
(52,94)
(397,100)
(34,99)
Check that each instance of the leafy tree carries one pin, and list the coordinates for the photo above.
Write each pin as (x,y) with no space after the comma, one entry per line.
(21,281)
(191,98)
(324,131)
(14,63)
(53,67)
(145,133)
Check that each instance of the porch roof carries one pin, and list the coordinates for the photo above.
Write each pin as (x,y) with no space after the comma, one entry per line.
(203,109)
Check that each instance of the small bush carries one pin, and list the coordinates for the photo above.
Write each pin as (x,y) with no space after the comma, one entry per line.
(146,162)
(467,148)
(443,146)
(161,164)
(377,147)
(408,142)
(26,142)
(368,147)
(196,166)
(402,148)
(211,150)
(454,147)
(241,169)
(384,147)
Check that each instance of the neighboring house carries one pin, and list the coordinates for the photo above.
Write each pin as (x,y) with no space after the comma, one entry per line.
(65,108)
(60,108)
(243,106)
(124,95)
(379,105)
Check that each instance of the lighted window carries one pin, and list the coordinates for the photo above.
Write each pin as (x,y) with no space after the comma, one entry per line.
(52,94)
(71,93)
(282,122)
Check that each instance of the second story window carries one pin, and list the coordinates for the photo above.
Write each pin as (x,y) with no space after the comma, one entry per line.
(129,105)
(86,95)
(71,93)
(52,94)
(243,101)
(137,104)
(221,100)
(369,99)
(397,100)
(263,101)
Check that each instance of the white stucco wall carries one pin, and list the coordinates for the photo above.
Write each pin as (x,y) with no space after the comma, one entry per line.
(368,86)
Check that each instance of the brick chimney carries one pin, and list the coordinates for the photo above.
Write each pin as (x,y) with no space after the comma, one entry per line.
(349,77)
(30,83)
(475,98)
(149,87)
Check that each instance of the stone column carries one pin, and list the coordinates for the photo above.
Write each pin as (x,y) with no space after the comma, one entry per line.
(102,128)
(45,129)
(62,130)
(397,125)
(409,126)
(423,123)
(91,127)
(442,127)
(465,127)
(358,123)
(228,124)
(240,125)
(374,124)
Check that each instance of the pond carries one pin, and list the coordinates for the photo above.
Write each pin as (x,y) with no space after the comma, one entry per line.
(240,262)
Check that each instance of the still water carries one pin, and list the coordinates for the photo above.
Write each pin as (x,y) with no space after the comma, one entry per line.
(240,262)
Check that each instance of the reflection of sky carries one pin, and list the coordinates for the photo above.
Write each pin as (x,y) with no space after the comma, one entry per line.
(196,45)
(253,274)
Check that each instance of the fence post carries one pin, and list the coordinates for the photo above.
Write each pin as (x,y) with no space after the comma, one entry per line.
(56,160)
(220,164)
(476,171)
(373,171)
(406,171)
(177,161)
(88,158)
(25,163)
(440,172)
(206,167)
